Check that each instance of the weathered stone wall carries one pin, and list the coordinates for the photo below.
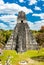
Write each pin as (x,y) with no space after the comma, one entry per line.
(24,39)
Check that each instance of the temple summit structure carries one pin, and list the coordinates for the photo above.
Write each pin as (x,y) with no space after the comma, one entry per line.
(22,38)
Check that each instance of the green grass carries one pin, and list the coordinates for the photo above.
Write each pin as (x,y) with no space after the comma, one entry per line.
(15,58)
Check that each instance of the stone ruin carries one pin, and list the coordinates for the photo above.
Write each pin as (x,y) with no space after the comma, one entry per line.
(22,38)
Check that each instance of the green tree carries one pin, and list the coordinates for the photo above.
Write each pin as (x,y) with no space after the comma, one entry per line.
(40,38)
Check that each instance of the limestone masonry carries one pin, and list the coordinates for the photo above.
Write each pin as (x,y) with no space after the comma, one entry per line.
(22,38)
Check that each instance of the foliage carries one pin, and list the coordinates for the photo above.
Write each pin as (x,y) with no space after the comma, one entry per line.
(4,35)
(40,38)
(15,58)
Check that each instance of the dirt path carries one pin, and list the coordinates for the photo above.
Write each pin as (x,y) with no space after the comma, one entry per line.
(30,62)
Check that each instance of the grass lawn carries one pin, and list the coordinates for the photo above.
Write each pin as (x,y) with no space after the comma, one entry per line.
(30,55)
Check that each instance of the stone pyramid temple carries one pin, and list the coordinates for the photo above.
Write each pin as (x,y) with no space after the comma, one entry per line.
(22,38)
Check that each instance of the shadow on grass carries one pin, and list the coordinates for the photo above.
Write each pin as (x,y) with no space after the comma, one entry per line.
(38,58)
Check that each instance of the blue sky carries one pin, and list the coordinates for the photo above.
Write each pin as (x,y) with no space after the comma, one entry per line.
(9,9)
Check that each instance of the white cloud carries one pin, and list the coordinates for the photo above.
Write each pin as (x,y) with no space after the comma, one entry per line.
(8,18)
(32,2)
(42,0)
(12,24)
(40,15)
(3,26)
(13,8)
(7,27)
(43,4)
(37,25)
(21,0)
(37,8)
(1,2)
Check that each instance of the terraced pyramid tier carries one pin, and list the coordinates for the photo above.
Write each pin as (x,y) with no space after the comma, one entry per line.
(22,38)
